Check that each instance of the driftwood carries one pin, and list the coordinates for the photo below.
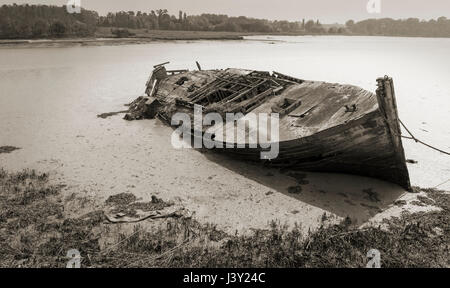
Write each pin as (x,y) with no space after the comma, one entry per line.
(168,212)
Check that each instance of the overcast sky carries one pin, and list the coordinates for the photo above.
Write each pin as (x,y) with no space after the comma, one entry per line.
(327,11)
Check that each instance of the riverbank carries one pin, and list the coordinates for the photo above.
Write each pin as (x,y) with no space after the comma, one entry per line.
(38,228)
(103,37)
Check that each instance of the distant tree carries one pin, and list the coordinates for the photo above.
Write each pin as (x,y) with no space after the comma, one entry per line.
(161,13)
(40,28)
(442,20)
(309,25)
(57,29)
(33,21)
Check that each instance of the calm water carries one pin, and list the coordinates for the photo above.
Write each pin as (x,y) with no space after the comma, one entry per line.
(49,99)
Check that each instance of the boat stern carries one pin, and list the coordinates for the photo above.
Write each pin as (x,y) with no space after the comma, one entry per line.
(388,109)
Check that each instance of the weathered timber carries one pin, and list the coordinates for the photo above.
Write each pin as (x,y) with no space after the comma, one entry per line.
(286,77)
(173,72)
(162,64)
(388,108)
(247,106)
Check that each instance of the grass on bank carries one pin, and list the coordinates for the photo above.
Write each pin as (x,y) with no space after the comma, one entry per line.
(35,232)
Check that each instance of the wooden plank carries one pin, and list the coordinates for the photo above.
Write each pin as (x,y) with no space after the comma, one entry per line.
(162,64)
(240,95)
(249,106)
(388,107)
(290,78)
(233,82)
(209,92)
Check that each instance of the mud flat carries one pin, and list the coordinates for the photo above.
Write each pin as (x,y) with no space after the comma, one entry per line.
(37,229)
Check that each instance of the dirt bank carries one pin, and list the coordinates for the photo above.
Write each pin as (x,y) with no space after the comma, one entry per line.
(105,37)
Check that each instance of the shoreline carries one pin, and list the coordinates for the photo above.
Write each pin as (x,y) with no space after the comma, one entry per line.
(104,37)
(110,41)
(44,43)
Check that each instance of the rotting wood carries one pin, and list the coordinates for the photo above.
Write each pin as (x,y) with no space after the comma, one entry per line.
(364,142)
(173,72)
(162,64)
(388,104)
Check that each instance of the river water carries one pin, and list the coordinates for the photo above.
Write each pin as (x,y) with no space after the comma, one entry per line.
(49,99)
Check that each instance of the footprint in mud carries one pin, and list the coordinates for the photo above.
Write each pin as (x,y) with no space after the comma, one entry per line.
(299,177)
(372,196)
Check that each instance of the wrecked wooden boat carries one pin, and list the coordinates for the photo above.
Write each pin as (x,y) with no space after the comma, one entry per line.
(323,127)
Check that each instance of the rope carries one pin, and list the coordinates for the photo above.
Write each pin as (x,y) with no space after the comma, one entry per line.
(423,143)
(442,183)
(419,141)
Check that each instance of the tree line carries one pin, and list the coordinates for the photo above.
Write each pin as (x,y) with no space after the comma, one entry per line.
(410,27)
(43,21)
(161,20)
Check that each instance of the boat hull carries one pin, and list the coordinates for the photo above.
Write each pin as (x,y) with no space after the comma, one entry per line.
(323,126)
(362,147)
